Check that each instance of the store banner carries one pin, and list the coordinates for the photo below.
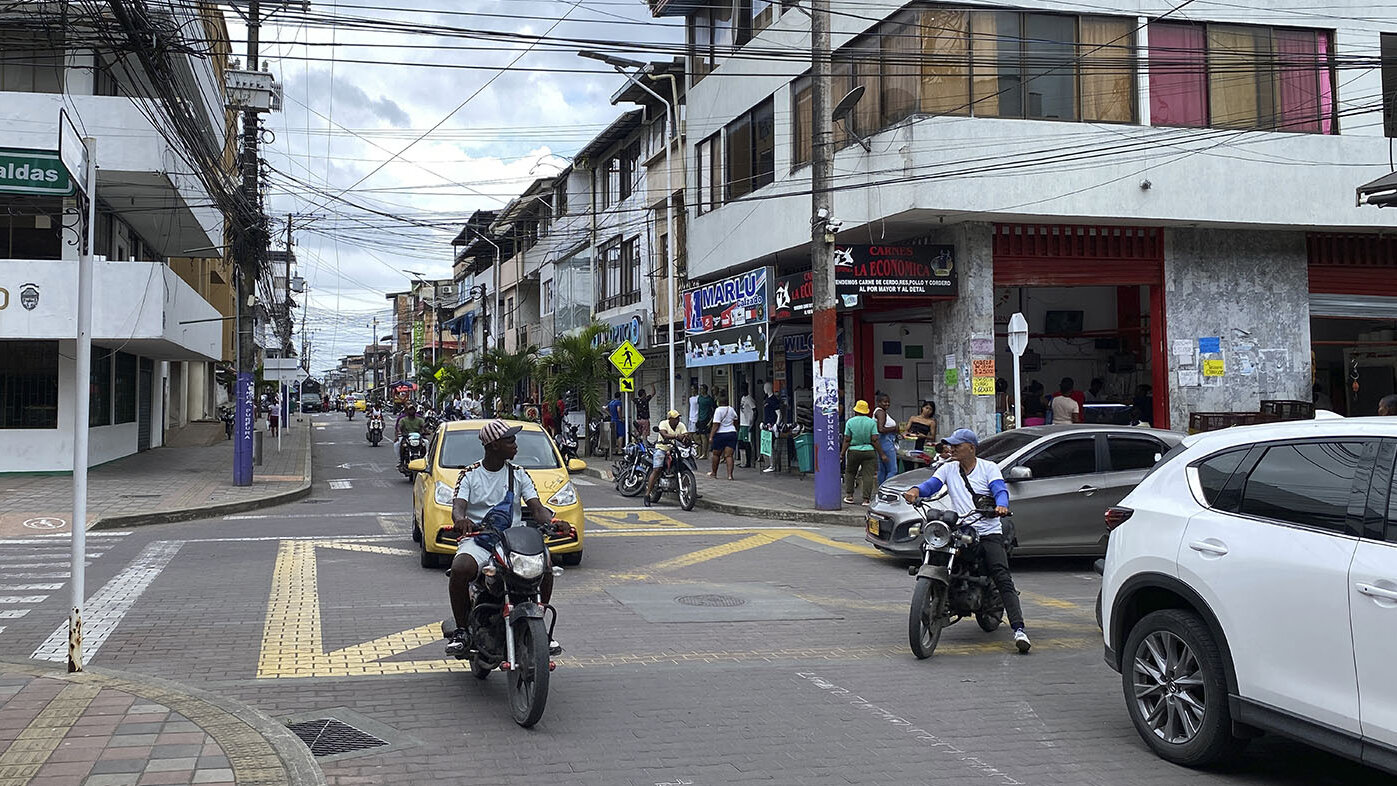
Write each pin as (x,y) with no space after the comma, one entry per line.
(891,270)
(726,321)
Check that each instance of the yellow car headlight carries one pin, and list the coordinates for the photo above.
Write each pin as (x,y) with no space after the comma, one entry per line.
(444,494)
(567,495)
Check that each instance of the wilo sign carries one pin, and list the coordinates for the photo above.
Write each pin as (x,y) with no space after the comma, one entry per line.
(33,172)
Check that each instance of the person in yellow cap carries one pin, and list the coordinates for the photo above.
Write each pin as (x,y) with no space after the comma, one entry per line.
(671,430)
(860,452)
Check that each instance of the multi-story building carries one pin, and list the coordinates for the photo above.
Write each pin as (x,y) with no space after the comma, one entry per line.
(527,222)
(478,254)
(159,290)
(1167,197)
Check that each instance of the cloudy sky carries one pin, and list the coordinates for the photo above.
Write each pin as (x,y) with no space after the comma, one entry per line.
(359,89)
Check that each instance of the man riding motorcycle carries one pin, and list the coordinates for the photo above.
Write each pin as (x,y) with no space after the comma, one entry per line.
(409,423)
(671,430)
(969,480)
(489,483)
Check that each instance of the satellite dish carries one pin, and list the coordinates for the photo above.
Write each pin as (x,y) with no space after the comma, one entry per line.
(847,103)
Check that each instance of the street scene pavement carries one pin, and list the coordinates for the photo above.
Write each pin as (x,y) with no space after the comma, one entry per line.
(700,648)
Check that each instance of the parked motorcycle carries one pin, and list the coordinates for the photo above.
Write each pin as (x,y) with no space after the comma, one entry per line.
(952,581)
(632,467)
(225,414)
(678,474)
(567,442)
(413,447)
(375,429)
(506,628)
(598,442)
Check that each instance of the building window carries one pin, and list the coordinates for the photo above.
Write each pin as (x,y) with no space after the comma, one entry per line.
(711,34)
(762,13)
(31,62)
(28,384)
(627,167)
(1234,76)
(32,228)
(125,388)
(803,123)
(708,173)
(618,276)
(100,400)
(560,195)
(1389,89)
(547,297)
(751,150)
(509,313)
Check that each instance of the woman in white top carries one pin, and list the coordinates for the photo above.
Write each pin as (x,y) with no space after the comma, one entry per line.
(722,435)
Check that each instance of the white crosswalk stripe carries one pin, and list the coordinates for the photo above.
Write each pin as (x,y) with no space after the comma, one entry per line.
(580,482)
(34,569)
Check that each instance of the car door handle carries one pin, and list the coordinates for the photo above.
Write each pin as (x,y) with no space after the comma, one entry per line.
(1208,547)
(1086,491)
(1376,592)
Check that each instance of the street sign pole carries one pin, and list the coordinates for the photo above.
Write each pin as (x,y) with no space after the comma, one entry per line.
(81,406)
(1018,342)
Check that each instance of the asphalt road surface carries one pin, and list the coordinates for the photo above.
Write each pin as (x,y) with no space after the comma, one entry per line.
(700,649)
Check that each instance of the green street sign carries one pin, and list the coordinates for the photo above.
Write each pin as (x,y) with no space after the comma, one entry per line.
(33,172)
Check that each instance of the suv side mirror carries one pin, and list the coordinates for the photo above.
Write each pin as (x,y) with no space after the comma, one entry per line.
(417,465)
(1019,473)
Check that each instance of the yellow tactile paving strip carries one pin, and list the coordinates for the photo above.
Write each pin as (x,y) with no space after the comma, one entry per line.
(41,737)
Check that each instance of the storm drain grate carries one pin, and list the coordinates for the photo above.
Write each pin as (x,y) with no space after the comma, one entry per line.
(330,737)
(710,600)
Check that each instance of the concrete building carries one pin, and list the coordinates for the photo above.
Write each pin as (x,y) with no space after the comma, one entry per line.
(158,304)
(477,255)
(1169,201)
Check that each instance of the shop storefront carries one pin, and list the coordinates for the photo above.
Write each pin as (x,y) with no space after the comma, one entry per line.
(1353,320)
(727,334)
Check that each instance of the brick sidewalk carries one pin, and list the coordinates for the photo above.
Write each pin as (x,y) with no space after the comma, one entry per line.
(164,484)
(104,729)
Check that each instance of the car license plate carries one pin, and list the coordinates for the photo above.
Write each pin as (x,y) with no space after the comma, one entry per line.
(873,526)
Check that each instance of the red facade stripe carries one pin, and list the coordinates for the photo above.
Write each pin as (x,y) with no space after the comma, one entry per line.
(1344,264)
(1067,255)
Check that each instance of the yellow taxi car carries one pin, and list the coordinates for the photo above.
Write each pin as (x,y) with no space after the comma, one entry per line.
(455,446)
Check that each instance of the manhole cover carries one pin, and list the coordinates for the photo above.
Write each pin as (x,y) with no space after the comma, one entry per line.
(710,600)
(329,737)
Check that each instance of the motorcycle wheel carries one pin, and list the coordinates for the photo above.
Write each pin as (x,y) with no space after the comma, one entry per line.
(989,623)
(528,678)
(927,617)
(687,494)
(373,441)
(631,483)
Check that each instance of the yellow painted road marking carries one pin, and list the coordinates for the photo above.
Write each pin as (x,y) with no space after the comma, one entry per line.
(634,519)
(367,548)
(856,548)
(1050,602)
(713,552)
(37,741)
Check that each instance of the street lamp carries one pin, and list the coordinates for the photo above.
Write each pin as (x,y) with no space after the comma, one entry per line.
(499,334)
(1018,342)
(639,69)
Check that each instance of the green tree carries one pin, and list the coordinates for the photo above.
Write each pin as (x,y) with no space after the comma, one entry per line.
(454,379)
(579,365)
(499,373)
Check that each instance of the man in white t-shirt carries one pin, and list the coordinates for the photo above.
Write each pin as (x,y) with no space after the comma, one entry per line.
(492,482)
(965,479)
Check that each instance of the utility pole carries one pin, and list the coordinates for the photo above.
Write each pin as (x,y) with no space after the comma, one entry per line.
(825,328)
(373,353)
(252,241)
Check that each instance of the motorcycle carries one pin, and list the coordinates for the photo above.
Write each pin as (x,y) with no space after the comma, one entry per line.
(506,627)
(952,579)
(678,474)
(598,443)
(430,421)
(375,429)
(632,467)
(225,414)
(567,442)
(413,447)
(349,410)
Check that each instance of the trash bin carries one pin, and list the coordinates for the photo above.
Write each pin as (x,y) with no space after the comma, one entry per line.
(805,452)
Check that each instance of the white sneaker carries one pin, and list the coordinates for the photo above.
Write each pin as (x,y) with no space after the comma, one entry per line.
(1021,640)
(769,469)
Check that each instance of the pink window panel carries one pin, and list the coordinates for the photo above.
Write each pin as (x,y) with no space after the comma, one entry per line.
(1178,75)
(1300,73)
(1326,84)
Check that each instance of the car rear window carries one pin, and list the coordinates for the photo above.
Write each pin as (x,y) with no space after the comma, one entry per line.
(1213,474)
(1309,483)
(462,449)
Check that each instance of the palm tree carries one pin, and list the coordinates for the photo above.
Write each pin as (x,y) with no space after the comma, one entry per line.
(498,373)
(579,365)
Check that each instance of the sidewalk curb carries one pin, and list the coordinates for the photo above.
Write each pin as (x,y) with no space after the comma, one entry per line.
(835,518)
(212,713)
(213,511)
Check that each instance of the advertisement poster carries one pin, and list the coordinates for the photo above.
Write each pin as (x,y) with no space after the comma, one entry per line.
(726,321)
(896,270)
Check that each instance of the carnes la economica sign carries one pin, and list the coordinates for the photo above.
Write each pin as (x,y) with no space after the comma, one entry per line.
(33,172)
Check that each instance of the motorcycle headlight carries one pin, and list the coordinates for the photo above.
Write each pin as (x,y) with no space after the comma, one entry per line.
(937,534)
(444,494)
(567,495)
(526,566)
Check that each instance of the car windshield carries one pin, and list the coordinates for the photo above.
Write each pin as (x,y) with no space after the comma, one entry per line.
(1002,445)
(461,449)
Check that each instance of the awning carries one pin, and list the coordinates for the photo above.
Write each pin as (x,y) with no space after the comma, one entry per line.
(1381,192)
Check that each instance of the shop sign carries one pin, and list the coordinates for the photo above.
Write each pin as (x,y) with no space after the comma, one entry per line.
(801,345)
(33,172)
(895,270)
(634,328)
(726,321)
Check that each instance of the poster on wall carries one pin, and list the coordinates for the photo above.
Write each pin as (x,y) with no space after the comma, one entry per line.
(726,321)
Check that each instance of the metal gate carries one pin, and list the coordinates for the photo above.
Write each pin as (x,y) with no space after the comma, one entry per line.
(144,379)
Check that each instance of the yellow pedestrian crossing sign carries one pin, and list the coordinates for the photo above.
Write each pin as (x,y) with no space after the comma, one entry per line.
(626,358)
(627,385)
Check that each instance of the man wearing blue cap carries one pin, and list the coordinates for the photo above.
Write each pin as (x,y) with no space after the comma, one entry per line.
(979,479)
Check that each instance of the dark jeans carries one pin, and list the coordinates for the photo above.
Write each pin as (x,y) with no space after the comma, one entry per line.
(997,563)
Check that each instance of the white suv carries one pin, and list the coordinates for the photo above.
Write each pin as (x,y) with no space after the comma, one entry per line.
(1250,585)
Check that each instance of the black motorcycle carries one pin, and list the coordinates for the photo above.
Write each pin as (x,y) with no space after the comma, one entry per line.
(412,447)
(349,409)
(430,422)
(632,468)
(506,628)
(598,440)
(952,582)
(678,474)
(567,442)
(375,430)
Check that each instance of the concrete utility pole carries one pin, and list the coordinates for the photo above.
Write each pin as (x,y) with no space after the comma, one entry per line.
(252,241)
(825,332)
(373,353)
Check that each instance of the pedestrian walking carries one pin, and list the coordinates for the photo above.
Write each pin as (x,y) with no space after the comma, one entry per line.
(723,435)
(706,407)
(860,453)
(888,433)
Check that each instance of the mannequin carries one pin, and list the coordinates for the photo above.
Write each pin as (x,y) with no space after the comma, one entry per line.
(771,419)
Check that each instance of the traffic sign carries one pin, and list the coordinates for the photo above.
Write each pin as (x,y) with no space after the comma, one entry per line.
(626,359)
(627,385)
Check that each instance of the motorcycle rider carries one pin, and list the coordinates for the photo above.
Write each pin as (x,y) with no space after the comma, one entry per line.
(482,486)
(671,430)
(409,423)
(979,478)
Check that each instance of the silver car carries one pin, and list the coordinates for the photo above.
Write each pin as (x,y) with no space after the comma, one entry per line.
(1061,480)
